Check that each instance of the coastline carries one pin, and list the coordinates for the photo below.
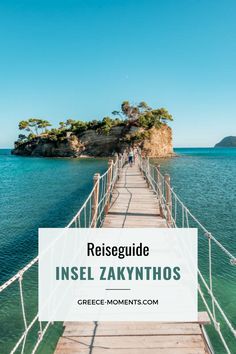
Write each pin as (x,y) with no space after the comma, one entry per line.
(94,157)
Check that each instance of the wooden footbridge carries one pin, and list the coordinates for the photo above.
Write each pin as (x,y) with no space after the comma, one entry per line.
(133,204)
(126,197)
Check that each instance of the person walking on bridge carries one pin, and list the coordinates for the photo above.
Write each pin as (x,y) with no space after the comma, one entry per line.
(131,157)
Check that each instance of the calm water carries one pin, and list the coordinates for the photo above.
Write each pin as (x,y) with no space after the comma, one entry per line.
(36,192)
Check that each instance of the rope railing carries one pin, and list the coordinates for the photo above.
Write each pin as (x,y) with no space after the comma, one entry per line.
(91,214)
(178,215)
(97,204)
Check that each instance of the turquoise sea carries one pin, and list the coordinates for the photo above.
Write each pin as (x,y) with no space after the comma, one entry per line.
(43,192)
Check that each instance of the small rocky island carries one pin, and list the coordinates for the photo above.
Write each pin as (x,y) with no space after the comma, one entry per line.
(229,141)
(134,125)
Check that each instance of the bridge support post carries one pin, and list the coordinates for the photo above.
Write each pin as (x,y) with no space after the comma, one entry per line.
(159,190)
(147,171)
(96,178)
(168,200)
(119,165)
(109,179)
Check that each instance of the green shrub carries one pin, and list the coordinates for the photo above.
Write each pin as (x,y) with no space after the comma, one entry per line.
(140,115)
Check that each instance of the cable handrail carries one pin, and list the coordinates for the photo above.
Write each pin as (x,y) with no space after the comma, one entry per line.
(85,217)
(178,215)
(207,233)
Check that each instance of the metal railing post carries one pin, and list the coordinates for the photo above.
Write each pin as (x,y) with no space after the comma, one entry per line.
(147,172)
(159,188)
(109,178)
(120,158)
(116,170)
(168,200)
(95,199)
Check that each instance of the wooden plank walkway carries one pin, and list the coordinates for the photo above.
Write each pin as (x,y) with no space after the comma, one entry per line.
(133,205)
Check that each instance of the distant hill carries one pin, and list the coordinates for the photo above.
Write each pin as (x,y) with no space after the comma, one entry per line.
(228,141)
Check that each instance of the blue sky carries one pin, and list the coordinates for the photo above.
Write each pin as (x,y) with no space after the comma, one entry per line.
(81,59)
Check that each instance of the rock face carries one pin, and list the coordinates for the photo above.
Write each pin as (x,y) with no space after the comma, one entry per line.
(157,142)
(229,141)
(43,148)
(95,144)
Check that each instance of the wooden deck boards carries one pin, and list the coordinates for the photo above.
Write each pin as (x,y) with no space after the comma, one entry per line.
(132,205)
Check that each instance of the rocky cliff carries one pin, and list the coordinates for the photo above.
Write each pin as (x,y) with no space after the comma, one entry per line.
(155,142)
(159,143)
